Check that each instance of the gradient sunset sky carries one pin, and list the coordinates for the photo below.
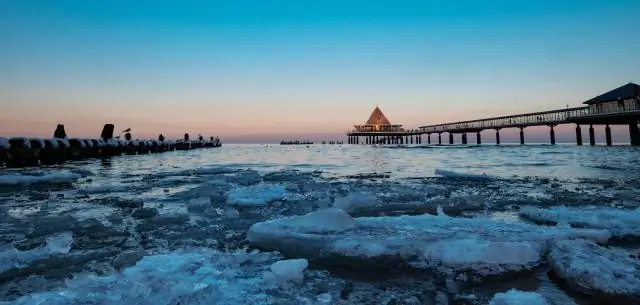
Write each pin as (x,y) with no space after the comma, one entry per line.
(260,70)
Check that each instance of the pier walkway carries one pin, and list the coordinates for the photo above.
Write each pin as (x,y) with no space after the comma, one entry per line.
(620,106)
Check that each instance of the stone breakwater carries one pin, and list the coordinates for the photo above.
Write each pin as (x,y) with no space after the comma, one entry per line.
(291,237)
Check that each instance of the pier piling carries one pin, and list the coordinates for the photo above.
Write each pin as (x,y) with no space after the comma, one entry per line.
(464,138)
(521,135)
(451,138)
(634,134)
(439,138)
(592,136)
(607,134)
(478,138)
(552,135)
(497,136)
(578,135)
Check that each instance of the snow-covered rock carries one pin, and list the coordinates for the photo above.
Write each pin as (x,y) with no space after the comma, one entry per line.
(256,195)
(471,248)
(621,223)
(595,270)
(516,297)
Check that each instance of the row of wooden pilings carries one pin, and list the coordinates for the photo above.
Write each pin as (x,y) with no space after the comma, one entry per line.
(634,134)
(16,152)
(384,139)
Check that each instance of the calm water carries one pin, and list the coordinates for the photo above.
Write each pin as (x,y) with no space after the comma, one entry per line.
(99,207)
(506,161)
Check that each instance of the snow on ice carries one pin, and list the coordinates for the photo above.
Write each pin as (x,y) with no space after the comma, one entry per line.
(621,223)
(480,247)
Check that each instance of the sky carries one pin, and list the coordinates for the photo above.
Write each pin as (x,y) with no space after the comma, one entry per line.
(270,70)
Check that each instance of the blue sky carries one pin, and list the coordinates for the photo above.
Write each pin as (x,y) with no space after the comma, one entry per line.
(240,68)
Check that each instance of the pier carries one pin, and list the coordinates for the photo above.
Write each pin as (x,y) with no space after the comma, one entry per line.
(16,152)
(379,130)
(620,106)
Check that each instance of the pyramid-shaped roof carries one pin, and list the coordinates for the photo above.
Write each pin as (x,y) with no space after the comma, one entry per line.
(625,92)
(377,118)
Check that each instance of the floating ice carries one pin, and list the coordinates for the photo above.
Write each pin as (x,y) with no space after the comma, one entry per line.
(470,176)
(516,297)
(256,195)
(482,247)
(326,220)
(11,258)
(355,201)
(593,269)
(621,223)
(290,270)
(193,278)
(48,178)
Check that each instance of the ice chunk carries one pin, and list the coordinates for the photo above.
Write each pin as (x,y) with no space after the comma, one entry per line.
(59,243)
(482,247)
(516,297)
(202,277)
(198,204)
(290,270)
(621,223)
(256,195)
(595,270)
(326,220)
(355,201)
(469,176)
(48,178)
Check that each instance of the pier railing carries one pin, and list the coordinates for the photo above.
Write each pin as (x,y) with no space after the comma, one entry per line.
(552,117)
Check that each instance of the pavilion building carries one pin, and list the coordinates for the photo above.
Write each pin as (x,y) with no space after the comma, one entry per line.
(379,130)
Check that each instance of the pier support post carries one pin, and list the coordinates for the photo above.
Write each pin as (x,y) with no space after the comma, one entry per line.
(578,135)
(451,138)
(497,136)
(464,138)
(552,135)
(521,135)
(478,138)
(439,139)
(411,139)
(607,134)
(401,140)
(634,134)
(592,136)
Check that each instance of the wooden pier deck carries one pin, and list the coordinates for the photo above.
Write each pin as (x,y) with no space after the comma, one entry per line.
(620,106)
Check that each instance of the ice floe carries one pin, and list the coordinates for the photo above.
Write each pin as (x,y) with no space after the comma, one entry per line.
(595,270)
(16,179)
(516,297)
(256,195)
(471,248)
(469,176)
(198,277)
(621,223)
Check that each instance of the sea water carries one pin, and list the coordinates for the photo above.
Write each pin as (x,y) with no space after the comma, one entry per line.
(122,230)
